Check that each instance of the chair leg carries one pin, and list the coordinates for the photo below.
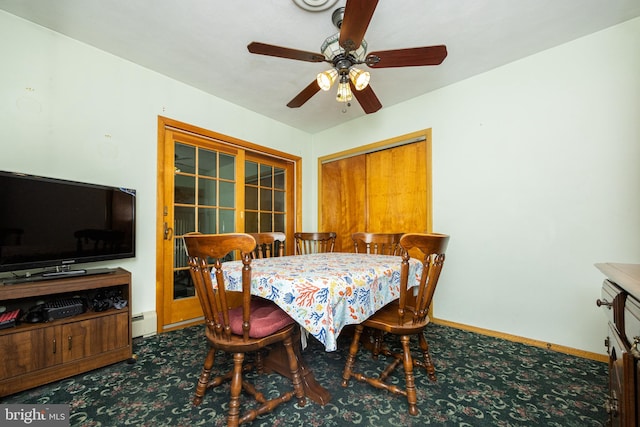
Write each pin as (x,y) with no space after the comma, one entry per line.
(236,388)
(378,336)
(351,358)
(428,364)
(412,396)
(294,368)
(203,381)
(259,362)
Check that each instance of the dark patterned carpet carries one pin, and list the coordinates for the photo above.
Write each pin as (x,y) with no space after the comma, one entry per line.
(482,381)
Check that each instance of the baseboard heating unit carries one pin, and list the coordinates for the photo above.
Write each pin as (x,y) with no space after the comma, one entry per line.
(144,324)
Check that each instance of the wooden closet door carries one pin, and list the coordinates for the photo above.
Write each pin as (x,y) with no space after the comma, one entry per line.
(396,189)
(342,199)
(384,191)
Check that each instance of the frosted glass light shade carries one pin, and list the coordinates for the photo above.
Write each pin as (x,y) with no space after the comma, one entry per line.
(359,78)
(344,92)
(326,79)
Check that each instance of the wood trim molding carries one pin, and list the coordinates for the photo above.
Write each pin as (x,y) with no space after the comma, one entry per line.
(164,122)
(424,134)
(536,343)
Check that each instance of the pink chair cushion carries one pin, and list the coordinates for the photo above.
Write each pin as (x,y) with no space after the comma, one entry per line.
(266,318)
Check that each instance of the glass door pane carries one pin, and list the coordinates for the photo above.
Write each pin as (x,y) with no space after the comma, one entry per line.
(265,195)
(204,201)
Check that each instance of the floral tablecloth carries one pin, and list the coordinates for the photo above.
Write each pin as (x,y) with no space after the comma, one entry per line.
(325,292)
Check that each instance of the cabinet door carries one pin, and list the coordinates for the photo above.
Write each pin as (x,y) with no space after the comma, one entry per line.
(94,336)
(29,351)
(622,402)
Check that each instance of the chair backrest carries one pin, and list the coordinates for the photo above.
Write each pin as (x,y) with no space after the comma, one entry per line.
(313,243)
(432,248)
(203,248)
(268,244)
(377,243)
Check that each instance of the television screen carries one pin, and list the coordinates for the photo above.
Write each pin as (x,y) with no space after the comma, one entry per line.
(46,222)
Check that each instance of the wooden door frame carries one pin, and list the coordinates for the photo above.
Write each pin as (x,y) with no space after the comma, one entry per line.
(421,135)
(164,124)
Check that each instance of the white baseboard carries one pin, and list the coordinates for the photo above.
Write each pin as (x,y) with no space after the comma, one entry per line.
(144,324)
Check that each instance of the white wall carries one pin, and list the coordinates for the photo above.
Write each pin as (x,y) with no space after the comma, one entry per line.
(536,177)
(92,117)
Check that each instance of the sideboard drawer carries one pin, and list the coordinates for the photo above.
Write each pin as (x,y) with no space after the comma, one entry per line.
(612,302)
(632,323)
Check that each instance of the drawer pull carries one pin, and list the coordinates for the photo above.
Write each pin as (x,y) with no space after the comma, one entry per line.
(604,302)
(69,340)
(634,348)
(611,405)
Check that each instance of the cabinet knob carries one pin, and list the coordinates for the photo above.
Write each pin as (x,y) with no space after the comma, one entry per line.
(611,405)
(601,302)
(635,351)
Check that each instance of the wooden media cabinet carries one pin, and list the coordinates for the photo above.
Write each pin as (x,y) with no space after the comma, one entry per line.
(38,353)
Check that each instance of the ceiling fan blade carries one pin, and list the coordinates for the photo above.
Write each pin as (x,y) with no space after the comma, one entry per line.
(367,99)
(357,15)
(412,57)
(305,95)
(284,52)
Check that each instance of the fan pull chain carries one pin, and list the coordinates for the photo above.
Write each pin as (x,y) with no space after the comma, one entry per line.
(345,105)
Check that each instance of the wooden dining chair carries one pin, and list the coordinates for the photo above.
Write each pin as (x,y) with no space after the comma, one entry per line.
(402,320)
(268,244)
(314,243)
(377,243)
(249,328)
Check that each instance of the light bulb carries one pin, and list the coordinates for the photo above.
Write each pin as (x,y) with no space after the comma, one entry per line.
(359,78)
(325,79)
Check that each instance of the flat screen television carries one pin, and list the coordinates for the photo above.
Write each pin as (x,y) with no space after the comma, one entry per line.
(54,224)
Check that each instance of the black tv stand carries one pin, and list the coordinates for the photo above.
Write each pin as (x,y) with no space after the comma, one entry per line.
(61,274)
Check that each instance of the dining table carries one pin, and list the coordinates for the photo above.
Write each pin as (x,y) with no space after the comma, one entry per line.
(323,293)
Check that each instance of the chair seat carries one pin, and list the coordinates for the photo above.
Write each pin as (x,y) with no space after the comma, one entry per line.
(266,318)
(386,319)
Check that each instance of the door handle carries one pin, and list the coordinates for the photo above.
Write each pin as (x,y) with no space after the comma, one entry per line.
(168,232)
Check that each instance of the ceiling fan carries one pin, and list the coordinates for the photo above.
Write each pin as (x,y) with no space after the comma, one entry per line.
(347,49)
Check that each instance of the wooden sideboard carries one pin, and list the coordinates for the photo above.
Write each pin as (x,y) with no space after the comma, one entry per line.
(620,300)
(38,353)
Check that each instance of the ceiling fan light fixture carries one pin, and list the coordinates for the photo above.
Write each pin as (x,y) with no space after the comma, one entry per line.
(359,78)
(326,79)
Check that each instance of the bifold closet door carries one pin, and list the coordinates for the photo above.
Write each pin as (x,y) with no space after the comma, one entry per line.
(385,191)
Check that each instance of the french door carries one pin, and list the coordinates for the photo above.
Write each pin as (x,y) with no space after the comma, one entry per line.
(212,186)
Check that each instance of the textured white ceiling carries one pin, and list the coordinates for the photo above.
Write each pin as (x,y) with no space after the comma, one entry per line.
(203,42)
